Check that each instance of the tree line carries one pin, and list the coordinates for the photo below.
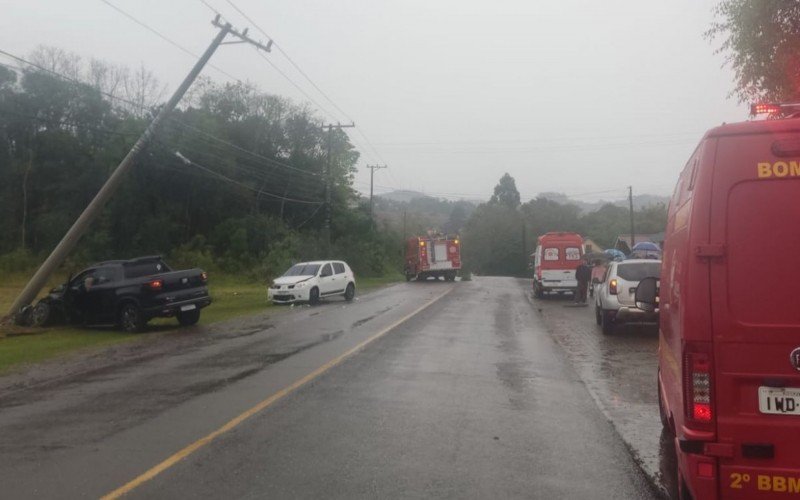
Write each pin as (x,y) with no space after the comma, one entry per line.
(235,179)
(501,234)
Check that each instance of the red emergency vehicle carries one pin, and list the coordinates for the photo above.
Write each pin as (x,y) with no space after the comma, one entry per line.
(557,256)
(432,256)
(729,345)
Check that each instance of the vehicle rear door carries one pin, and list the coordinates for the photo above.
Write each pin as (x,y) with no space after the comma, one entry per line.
(629,274)
(755,272)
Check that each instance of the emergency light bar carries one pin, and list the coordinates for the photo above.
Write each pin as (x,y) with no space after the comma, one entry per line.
(774,110)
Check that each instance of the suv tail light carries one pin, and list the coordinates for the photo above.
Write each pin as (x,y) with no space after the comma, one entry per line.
(612,286)
(204,276)
(155,285)
(697,384)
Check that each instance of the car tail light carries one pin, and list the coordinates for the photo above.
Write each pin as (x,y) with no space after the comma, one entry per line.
(204,276)
(612,287)
(155,285)
(697,383)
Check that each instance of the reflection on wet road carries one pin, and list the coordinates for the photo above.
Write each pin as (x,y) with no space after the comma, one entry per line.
(620,371)
(471,397)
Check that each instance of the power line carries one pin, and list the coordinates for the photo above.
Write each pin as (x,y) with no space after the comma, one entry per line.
(308,78)
(73,80)
(175,120)
(234,146)
(187,161)
(166,39)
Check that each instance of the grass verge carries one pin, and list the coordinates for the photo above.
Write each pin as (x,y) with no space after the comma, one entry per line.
(232,297)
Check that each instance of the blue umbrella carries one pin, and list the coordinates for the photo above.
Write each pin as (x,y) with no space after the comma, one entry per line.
(646,246)
(614,254)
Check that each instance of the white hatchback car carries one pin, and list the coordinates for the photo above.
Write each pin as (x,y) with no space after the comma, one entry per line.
(615,296)
(311,281)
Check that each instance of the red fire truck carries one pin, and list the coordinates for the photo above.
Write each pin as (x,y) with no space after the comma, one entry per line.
(432,256)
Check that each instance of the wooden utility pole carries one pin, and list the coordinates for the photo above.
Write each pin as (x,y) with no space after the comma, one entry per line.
(372,169)
(81,225)
(633,233)
(328,182)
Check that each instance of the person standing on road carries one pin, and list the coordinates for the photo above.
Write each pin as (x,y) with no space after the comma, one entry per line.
(583,274)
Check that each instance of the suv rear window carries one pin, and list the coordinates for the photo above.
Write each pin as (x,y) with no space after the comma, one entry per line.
(637,271)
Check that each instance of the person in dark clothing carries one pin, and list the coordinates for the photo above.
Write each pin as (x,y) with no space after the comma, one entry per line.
(583,274)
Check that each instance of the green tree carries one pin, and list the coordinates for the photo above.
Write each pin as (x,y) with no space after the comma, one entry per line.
(761,42)
(505,193)
(493,241)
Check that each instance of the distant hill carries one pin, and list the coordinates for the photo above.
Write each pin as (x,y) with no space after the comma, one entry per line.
(402,195)
(639,201)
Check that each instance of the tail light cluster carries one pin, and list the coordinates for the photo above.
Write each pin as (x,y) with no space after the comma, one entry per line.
(155,285)
(697,382)
(612,286)
(204,276)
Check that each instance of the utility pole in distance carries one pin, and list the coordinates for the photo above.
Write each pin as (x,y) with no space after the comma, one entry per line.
(630,200)
(372,169)
(328,182)
(81,225)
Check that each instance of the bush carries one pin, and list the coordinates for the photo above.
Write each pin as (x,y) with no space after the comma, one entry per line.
(18,260)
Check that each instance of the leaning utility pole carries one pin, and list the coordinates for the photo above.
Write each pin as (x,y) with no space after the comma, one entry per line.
(79,228)
(372,169)
(328,182)
(630,200)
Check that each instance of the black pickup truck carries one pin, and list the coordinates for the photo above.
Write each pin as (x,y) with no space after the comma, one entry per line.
(127,293)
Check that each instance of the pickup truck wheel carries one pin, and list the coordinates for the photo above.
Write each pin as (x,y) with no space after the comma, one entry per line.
(41,314)
(131,318)
(189,318)
(313,296)
(350,292)
(606,324)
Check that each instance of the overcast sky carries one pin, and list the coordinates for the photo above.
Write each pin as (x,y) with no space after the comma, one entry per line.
(580,97)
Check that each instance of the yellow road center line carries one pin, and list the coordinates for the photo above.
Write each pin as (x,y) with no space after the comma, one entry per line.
(180,455)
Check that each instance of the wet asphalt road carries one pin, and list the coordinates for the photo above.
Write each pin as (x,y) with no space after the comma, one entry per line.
(472,397)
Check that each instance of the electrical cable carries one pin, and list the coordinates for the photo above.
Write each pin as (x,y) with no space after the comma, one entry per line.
(308,78)
(167,39)
(187,161)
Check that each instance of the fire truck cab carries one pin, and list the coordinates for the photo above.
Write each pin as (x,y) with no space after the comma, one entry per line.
(432,256)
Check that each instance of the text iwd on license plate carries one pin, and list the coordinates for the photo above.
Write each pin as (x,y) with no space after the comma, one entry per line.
(188,308)
(779,400)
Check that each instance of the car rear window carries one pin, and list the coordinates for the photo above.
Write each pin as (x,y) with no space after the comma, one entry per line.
(637,271)
(146,268)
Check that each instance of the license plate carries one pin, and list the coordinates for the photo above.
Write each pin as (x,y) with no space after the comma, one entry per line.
(779,400)
(188,308)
